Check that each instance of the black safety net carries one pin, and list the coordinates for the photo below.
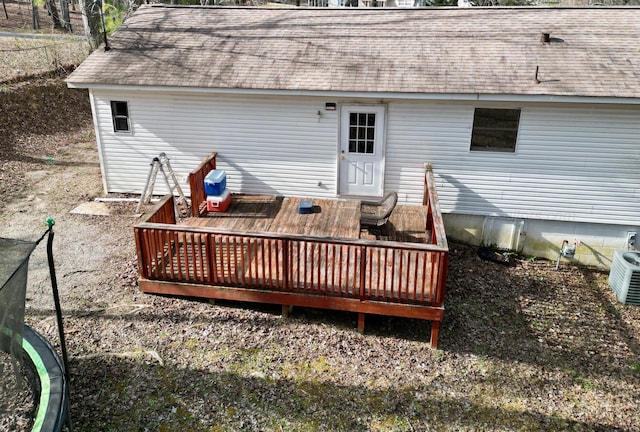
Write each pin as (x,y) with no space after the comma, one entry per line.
(14,262)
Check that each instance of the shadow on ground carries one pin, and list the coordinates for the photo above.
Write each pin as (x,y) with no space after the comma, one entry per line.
(532,313)
(229,401)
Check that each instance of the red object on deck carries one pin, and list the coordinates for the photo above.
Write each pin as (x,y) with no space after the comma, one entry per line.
(219,203)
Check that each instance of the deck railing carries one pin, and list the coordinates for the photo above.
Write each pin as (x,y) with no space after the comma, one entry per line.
(196,182)
(434,223)
(365,269)
(394,273)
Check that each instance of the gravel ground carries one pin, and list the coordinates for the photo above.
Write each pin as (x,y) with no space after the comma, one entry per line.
(522,347)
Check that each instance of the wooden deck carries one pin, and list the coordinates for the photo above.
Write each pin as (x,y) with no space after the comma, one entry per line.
(262,250)
(331,218)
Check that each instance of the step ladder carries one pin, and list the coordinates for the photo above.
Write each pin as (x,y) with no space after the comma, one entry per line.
(162,164)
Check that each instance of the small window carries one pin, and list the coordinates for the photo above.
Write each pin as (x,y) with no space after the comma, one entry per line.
(120,115)
(495,129)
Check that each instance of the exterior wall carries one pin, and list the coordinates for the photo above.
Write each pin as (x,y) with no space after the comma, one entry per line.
(575,176)
(267,146)
(575,173)
(571,163)
(596,243)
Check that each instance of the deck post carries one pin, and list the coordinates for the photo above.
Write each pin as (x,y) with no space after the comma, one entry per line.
(286,310)
(196,183)
(360,322)
(363,264)
(435,331)
(425,195)
(142,258)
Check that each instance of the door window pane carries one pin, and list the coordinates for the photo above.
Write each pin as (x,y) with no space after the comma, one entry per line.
(362,132)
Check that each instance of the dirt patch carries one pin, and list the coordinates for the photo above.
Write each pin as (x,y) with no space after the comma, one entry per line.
(522,347)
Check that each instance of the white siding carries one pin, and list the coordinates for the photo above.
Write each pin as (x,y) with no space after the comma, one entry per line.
(571,163)
(578,163)
(266,145)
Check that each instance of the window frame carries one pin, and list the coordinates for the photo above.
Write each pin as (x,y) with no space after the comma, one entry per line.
(514,129)
(117,116)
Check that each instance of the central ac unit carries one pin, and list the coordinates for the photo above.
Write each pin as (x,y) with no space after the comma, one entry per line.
(624,277)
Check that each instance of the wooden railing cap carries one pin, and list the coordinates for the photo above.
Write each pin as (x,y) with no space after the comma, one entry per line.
(204,162)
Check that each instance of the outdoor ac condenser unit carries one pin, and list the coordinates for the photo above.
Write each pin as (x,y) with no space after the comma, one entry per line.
(624,277)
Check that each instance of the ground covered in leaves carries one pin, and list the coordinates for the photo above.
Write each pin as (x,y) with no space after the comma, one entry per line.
(17,400)
(25,52)
(522,347)
(19,18)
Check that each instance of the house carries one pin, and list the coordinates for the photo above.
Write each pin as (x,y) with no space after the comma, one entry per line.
(529,116)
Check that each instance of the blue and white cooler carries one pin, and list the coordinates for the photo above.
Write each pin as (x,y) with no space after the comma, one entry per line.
(215,186)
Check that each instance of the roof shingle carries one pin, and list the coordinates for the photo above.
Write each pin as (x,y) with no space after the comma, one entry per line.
(593,51)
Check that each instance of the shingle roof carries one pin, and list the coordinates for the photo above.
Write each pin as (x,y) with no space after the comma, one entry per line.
(592,52)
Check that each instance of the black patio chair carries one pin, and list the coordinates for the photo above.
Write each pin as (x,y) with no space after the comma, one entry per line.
(375,214)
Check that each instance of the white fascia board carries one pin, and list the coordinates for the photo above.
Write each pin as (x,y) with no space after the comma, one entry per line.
(371,95)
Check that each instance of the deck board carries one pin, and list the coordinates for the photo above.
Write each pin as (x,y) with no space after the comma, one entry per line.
(407,224)
(249,213)
(253,213)
(332,218)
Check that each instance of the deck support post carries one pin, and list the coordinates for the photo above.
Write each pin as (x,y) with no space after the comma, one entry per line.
(360,322)
(286,310)
(435,330)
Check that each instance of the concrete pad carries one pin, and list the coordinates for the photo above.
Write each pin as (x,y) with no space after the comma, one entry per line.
(92,208)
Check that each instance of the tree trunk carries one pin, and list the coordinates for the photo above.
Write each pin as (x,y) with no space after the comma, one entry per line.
(53,11)
(34,15)
(92,22)
(66,19)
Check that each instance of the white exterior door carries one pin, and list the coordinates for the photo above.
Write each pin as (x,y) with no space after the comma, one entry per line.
(361,152)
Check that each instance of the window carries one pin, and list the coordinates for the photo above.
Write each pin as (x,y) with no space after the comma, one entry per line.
(495,130)
(120,115)
(362,127)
